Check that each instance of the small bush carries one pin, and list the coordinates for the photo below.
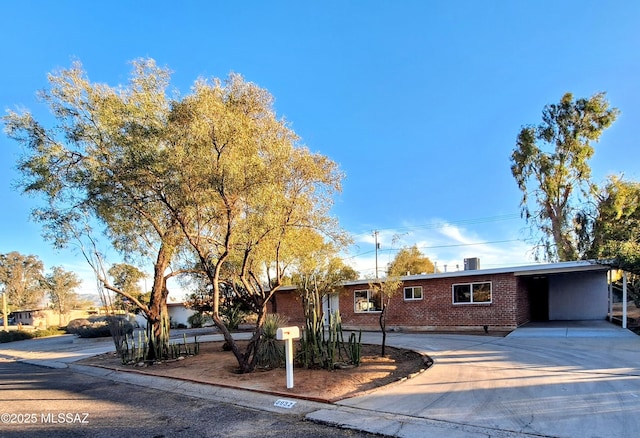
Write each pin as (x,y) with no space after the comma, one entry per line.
(94,330)
(72,327)
(21,335)
(51,331)
(18,335)
(197,320)
(98,327)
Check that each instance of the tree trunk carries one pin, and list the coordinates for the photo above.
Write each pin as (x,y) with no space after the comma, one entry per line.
(383,328)
(158,324)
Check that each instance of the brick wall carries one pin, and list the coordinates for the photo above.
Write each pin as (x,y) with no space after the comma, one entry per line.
(288,303)
(437,311)
(523,314)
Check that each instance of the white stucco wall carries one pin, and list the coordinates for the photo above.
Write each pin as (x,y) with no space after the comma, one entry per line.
(180,314)
(578,296)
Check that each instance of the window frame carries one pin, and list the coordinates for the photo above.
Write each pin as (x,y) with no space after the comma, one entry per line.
(413,296)
(369,300)
(471,293)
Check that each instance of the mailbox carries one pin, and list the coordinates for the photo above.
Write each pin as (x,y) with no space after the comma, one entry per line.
(288,334)
(284,333)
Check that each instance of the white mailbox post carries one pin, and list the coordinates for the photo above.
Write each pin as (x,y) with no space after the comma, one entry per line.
(288,334)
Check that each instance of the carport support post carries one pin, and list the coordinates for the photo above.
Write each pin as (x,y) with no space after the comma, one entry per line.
(5,317)
(624,299)
(610,295)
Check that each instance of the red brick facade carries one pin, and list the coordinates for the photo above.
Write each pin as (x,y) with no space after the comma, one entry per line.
(509,306)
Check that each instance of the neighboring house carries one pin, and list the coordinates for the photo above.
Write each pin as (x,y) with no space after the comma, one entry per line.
(44,318)
(179,313)
(501,298)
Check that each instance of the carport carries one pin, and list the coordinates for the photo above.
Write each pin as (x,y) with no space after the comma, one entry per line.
(576,291)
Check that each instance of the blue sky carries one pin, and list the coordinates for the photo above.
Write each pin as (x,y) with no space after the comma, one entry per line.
(419,102)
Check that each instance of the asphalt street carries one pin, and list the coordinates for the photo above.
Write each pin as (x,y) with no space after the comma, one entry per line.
(55,403)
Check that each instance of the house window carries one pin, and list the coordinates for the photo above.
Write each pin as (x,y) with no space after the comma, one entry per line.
(470,293)
(367,301)
(413,293)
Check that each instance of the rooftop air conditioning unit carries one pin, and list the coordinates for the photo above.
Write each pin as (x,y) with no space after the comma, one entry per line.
(471,264)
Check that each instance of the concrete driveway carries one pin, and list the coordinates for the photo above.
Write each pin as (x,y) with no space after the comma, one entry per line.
(541,381)
(549,381)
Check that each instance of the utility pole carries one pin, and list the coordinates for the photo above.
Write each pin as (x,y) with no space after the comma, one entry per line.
(375,235)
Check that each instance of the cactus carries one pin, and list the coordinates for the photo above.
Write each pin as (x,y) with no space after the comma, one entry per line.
(355,348)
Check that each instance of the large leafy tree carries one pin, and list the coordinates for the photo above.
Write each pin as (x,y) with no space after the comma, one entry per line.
(214,176)
(127,278)
(21,277)
(250,196)
(61,286)
(410,260)
(611,230)
(551,166)
(102,168)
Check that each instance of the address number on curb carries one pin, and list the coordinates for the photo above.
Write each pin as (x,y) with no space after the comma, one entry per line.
(287,404)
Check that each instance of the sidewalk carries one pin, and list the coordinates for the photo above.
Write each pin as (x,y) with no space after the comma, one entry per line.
(479,386)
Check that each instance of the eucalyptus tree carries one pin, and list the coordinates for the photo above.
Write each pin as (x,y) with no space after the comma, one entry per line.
(610,229)
(551,166)
(101,168)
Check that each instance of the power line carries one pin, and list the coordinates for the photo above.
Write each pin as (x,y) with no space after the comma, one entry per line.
(442,224)
(493,242)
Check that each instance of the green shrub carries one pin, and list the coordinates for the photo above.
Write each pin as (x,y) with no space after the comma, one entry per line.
(17,335)
(72,327)
(197,320)
(21,335)
(98,327)
(233,316)
(270,352)
(51,331)
(94,330)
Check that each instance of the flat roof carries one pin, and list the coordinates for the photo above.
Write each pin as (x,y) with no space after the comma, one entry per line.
(536,269)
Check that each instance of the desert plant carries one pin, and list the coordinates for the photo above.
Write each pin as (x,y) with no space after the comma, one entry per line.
(325,347)
(270,352)
(197,320)
(355,348)
(233,316)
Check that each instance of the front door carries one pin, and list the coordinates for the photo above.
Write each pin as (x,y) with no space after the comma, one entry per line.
(330,305)
(538,288)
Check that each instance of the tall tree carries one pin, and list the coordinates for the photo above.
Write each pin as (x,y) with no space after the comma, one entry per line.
(127,278)
(550,165)
(249,194)
(410,260)
(21,278)
(61,285)
(611,230)
(214,176)
(102,170)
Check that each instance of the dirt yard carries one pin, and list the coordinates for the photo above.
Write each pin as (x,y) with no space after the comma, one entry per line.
(215,366)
